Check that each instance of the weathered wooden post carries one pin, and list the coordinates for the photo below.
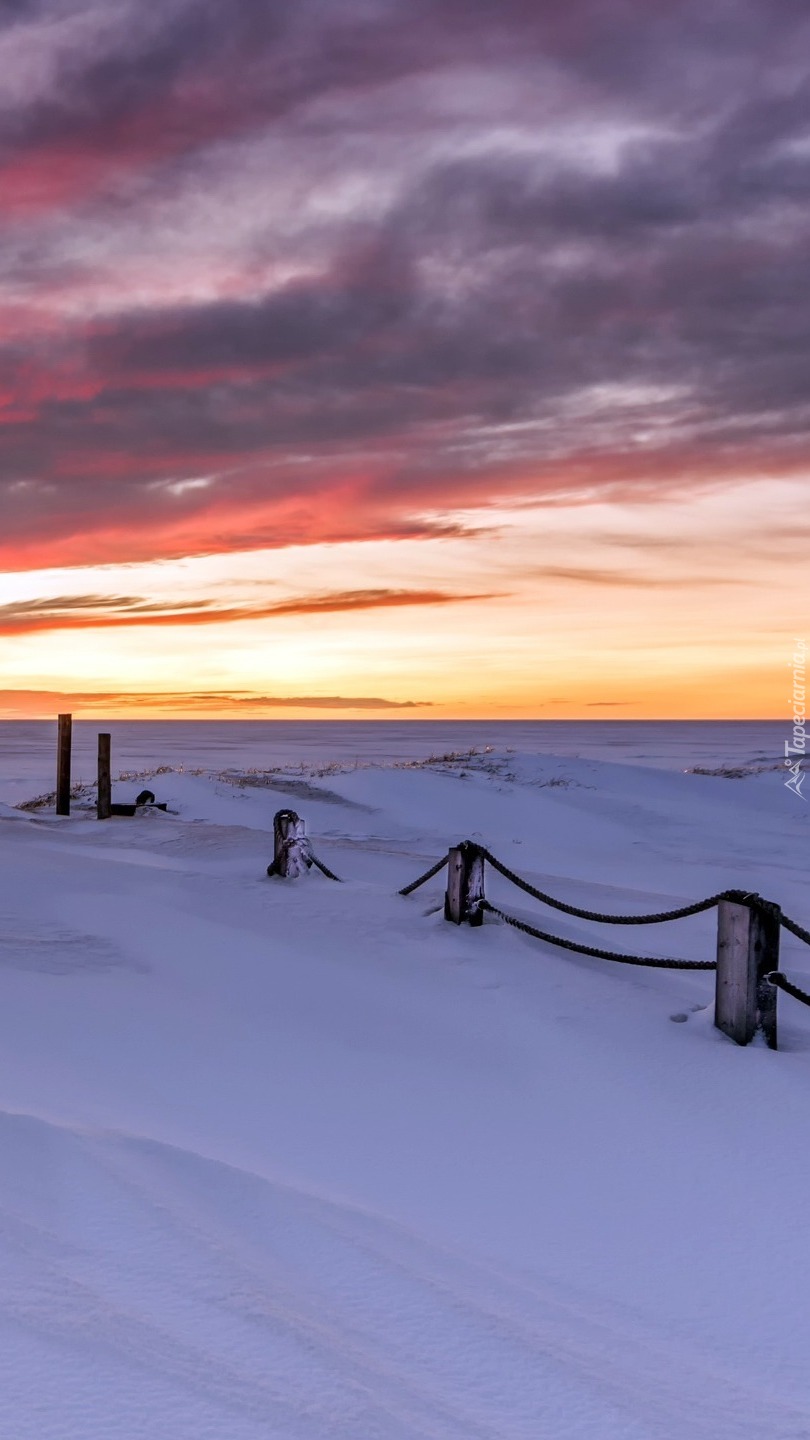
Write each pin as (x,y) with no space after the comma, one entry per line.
(63,743)
(292,853)
(465,884)
(747,950)
(104,797)
(767,928)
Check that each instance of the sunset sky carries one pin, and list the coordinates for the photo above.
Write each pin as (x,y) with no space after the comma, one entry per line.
(412,358)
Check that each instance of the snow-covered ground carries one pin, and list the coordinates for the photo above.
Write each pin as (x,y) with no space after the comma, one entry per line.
(301,1161)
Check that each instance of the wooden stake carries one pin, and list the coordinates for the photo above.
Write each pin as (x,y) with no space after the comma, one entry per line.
(454,894)
(475,886)
(747,949)
(104,799)
(766,930)
(465,884)
(63,743)
(291,850)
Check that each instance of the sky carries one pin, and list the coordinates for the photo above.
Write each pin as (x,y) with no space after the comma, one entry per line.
(414,358)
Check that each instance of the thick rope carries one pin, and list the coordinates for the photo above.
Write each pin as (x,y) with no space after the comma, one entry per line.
(299,847)
(428,875)
(781,981)
(653,960)
(324,869)
(739,895)
(797,930)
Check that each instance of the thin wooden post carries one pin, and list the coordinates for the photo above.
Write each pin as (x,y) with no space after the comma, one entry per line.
(465,884)
(454,894)
(291,849)
(63,744)
(104,797)
(766,930)
(747,949)
(475,886)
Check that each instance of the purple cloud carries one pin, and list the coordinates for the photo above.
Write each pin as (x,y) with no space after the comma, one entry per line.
(392,260)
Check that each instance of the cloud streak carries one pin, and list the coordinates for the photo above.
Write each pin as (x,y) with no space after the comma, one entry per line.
(235,704)
(98,612)
(632,580)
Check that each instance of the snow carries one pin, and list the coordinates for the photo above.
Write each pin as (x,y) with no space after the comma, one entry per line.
(291,1160)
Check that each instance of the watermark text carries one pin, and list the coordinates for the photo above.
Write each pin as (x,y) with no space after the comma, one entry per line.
(796,747)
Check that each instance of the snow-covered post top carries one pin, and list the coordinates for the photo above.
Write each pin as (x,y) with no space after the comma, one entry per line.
(292,852)
(465,884)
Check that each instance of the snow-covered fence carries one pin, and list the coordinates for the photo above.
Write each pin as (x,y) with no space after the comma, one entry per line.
(292,850)
(748,931)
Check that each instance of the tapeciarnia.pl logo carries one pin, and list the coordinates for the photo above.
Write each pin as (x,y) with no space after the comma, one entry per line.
(797,745)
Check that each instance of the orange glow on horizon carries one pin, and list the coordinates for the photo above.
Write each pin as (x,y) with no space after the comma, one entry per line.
(642,621)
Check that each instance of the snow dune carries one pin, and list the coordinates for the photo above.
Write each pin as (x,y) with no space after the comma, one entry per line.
(300,1161)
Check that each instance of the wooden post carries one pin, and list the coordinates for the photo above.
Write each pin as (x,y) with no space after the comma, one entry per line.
(475,886)
(63,743)
(465,884)
(747,949)
(766,930)
(454,894)
(291,849)
(104,798)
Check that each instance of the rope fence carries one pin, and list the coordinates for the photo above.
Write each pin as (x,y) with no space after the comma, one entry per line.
(747,974)
(748,930)
(324,869)
(658,962)
(658,918)
(423,879)
(797,930)
(782,983)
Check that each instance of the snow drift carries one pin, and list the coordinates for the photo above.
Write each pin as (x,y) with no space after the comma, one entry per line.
(300,1160)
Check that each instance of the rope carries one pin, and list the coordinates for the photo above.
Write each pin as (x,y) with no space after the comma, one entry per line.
(428,875)
(797,930)
(782,983)
(739,895)
(324,869)
(299,847)
(654,960)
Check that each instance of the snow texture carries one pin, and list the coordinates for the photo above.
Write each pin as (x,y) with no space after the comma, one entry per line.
(293,1160)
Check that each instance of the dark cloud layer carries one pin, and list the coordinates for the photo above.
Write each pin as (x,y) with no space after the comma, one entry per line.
(281,273)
